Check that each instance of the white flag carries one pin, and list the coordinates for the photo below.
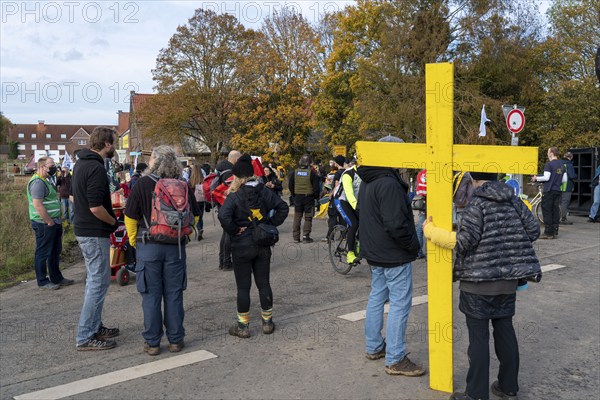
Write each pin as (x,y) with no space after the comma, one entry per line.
(484,119)
(67,162)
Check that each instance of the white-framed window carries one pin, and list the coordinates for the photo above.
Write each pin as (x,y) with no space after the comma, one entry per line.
(21,135)
(82,142)
(46,147)
(63,135)
(61,147)
(48,136)
(34,147)
(34,135)
(21,147)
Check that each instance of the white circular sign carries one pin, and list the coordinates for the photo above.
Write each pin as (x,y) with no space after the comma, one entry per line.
(515,120)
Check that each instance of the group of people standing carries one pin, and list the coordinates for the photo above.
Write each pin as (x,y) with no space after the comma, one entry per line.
(494,223)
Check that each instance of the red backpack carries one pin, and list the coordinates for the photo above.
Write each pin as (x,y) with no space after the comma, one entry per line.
(206,187)
(171,219)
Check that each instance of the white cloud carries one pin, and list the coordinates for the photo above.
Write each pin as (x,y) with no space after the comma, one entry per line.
(76,62)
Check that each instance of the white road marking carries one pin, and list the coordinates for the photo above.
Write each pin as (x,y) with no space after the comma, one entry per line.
(111,378)
(552,267)
(360,315)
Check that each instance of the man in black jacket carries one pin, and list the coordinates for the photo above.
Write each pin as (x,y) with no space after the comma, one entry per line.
(94,221)
(388,241)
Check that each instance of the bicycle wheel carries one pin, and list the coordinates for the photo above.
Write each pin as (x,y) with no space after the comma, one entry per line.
(338,250)
(537,211)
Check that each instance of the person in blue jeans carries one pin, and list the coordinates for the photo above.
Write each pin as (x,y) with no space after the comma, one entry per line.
(160,269)
(44,213)
(94,221)
(593,215)
(389,244)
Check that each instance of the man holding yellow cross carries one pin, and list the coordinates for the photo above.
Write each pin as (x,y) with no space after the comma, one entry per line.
(441,157)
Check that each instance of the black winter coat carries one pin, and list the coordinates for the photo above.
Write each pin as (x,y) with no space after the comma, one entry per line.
(234,213)
(387,228)
(495,238)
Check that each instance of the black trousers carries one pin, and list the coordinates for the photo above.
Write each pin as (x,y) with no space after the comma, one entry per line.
(551,211)
(334,218)
(507,351)
(353,228)
(247,261)
(225,251)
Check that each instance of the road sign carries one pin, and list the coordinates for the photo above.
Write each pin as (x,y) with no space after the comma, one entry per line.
(339,150)
(515,118)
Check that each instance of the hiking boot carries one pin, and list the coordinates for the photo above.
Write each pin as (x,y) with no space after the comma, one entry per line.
(50,286)
(460,396)
(307,239)
(351,258)
(503,395)
(546,236)
(405,367)
(151,351)
(96,344)
(176,347)
(65,282)
(378,355)
(268,326)
(227,268)
(107,333)
(240,330)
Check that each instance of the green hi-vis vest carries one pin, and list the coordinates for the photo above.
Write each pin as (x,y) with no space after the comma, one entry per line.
(302,181)
(51,201)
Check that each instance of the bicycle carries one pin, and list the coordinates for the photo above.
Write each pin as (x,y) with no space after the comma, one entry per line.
(338,250)
(535,205)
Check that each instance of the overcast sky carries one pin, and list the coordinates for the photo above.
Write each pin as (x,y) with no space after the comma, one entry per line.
(75,62)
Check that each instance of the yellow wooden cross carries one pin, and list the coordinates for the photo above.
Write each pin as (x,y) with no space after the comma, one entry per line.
(441,157)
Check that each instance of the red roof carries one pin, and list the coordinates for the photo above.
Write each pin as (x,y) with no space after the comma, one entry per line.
(138,99)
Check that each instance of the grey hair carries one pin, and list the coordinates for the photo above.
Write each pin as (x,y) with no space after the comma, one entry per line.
(165,163)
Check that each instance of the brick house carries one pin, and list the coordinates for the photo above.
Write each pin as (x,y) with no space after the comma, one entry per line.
(69,138)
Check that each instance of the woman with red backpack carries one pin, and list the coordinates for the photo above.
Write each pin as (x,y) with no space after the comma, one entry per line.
(161,259)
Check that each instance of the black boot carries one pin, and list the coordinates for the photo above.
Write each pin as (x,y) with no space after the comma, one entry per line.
(268,326)
(240,330)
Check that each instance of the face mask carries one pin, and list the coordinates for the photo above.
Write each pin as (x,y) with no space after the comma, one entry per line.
(52,170)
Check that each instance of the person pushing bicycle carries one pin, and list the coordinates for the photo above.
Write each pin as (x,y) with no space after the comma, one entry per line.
(346,202)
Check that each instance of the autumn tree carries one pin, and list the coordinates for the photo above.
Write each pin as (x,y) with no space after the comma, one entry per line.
(568,114)
(199,82)
(285,66)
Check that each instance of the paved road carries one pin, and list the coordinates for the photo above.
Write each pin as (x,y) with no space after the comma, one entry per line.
(313,353)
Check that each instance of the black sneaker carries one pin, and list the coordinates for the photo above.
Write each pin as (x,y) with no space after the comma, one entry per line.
(297,241)
(268,326)
(405,367)
(503,395)
(227,268)
(378,355)
(65,282)
(107,333)
(96,344)
(307,239)
(240,330)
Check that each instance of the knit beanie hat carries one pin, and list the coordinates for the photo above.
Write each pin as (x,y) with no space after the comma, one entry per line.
(243,167)
(340,160)
(484,176)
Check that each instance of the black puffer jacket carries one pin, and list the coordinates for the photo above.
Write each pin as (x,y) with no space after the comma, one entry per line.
(235,214)
(387,229)
(495,238)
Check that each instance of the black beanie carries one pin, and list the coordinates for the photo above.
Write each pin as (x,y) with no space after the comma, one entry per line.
(340,160)
(484,176)
(243,167)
